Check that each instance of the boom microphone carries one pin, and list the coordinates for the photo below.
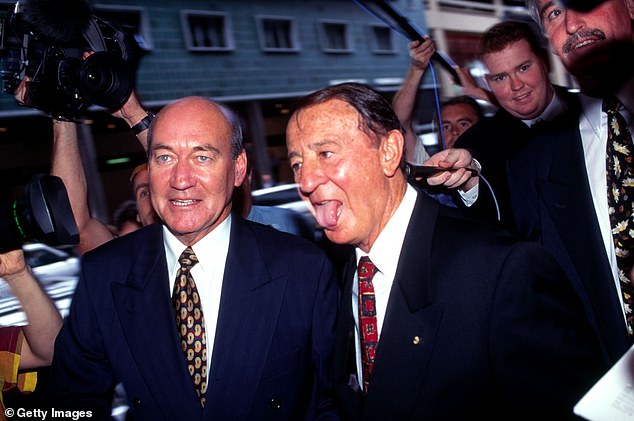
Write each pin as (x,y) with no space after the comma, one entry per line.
(61,21)
(387,13)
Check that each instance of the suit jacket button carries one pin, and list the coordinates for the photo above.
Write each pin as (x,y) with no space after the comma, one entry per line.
(137,403)
(275,403)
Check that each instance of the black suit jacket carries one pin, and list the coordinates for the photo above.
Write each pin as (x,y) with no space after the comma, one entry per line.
(493,141)
(273,343)
(501,332)
(553,206)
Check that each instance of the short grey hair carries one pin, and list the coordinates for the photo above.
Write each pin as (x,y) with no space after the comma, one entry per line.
(237,145)
(533,11)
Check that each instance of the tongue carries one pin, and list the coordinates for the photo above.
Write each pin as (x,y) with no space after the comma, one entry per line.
(326,215)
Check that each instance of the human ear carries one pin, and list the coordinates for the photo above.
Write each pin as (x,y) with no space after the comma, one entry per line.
(240,168)
(392,152)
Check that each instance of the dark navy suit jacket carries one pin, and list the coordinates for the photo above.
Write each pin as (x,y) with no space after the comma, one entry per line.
(478,326)
(553,206)
(273,344)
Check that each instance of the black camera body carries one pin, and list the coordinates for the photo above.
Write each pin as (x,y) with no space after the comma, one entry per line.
(66,73)
(42,214)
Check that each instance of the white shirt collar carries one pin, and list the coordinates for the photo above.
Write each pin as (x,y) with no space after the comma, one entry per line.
(218,239)
(386,249)
(555,107)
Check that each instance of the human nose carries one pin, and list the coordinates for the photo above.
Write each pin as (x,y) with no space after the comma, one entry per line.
(516,82)
(573,21)
(309,177)
(182,175)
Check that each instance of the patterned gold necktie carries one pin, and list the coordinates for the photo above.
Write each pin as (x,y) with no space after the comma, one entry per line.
(367,318)
(191,323)
(620,179)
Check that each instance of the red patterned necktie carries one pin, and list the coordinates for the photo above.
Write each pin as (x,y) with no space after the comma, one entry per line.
(620,179)
(191,323)
(367,318)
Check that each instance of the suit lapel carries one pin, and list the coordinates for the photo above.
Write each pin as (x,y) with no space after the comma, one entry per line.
(411,321)
(144,307)
(249,308)
(568,199)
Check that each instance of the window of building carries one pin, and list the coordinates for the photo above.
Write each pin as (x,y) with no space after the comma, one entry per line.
(335,37)
(277,34)
(133,20)
(207,31)
(382,40)
(462,46)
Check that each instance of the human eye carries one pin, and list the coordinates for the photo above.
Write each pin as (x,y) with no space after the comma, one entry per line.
(163,158)
(143,193)
(203,158)
(465,124)
(552,13)
(296,166)
(524,67)
(496,78)
(446,126)
(325,154)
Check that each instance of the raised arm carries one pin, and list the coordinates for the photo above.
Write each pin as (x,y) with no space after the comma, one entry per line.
(67,165)
(472,89)
(44,320)
(133,113)
(405,98)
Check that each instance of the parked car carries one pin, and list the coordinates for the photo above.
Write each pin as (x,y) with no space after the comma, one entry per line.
(287,196)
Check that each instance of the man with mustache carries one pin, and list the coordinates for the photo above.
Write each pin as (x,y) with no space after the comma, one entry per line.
(559,183)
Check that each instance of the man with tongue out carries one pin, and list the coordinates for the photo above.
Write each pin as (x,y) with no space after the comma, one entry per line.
(441,317)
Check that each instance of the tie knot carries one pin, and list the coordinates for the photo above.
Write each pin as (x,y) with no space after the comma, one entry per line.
(366,268)
(611,105)
(188,258)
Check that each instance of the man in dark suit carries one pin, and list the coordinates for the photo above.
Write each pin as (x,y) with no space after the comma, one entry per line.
(559,185)
(517,74)
(266,325)
(457,321)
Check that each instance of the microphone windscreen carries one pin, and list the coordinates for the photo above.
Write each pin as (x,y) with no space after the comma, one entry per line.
(62,21)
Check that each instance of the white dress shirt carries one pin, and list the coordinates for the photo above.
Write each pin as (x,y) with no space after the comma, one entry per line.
(211,251)
(384,254)
(593,127)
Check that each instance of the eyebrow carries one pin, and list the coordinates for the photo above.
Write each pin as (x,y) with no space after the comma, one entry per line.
(206,148)
(312,146)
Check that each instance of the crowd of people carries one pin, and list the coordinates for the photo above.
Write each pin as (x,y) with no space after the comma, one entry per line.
(506,296)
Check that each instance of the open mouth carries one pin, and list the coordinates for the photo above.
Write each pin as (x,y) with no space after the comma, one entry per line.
(582,39)
(327,212)
(183,203)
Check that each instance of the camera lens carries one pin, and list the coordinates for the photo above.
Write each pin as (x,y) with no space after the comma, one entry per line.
(104,79)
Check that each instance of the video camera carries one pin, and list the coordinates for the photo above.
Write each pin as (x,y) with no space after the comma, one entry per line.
(43,214)
(72,57)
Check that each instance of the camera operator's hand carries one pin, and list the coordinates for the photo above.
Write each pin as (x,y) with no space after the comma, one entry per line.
(132,113)
(12,264)
(20,93)
(420,52)
(458,163)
